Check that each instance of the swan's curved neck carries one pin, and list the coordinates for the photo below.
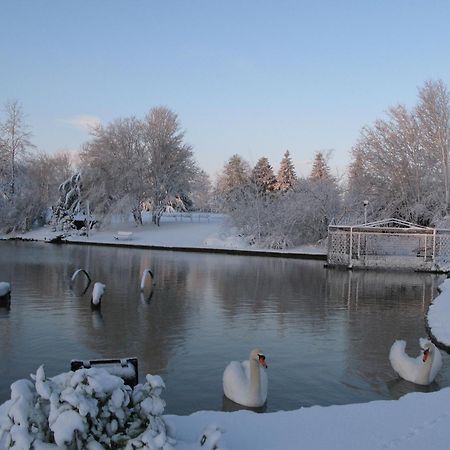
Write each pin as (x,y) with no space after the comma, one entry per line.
(255,376)
(426,369)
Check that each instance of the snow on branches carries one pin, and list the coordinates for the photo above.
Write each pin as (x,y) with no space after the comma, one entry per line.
(86,409)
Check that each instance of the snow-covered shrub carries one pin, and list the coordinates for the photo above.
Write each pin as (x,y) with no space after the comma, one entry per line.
(87,409)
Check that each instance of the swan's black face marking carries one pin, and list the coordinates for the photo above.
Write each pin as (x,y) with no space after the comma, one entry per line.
(262,360)
(203,440)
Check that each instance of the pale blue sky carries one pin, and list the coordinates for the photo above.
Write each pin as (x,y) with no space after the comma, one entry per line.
(248,77)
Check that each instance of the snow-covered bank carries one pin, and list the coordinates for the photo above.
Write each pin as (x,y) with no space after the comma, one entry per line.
(438,316)
(196,231)
(416,421)
(63,404)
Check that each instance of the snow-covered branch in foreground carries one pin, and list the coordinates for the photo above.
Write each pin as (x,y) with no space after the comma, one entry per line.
(87,409)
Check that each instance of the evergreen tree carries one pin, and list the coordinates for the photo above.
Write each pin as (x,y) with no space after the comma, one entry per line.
(235,174)
(320,169)
(263,176)
(232,183)
(286,179)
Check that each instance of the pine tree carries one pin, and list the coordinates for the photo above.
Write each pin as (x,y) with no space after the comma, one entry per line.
(263,176)
(235,174)
(320,169)
(286,179)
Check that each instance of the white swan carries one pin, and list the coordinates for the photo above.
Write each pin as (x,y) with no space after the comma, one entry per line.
(421,370)
(246,383)
(97,294)
(5,289)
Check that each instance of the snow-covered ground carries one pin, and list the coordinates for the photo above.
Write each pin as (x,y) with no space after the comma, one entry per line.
(416,421)
(206,231)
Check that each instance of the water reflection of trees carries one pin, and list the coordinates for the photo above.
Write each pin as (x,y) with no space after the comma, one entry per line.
(277,286)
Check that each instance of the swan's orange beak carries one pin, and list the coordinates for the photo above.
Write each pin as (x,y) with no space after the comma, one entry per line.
(425,354)
(262,361)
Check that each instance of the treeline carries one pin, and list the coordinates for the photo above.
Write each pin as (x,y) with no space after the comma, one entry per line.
(283,210)
(399,168)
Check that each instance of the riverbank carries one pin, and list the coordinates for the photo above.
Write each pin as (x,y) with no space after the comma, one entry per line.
(438,317)
(194,232)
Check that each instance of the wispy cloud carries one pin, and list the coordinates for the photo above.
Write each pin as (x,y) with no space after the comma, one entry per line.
(83,122)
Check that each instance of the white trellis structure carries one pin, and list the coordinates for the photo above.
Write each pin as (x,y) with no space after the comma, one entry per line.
(389,243)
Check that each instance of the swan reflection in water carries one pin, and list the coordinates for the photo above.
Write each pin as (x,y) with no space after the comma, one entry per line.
(398,388)
(230,406)
(97,319)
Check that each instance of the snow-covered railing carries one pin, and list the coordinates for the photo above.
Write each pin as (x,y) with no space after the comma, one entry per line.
(389,244)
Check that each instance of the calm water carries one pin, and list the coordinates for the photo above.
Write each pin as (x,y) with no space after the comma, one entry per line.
(326,333)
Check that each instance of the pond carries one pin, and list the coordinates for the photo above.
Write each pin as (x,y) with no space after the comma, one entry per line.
(326,333)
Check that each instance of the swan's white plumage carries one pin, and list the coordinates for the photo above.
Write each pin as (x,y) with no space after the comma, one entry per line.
(5,288)
(97,293)
(414,369)
(239,386)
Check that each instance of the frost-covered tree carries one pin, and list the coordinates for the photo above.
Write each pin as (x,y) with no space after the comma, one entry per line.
(263,176)
(115,166)
(286,177)
(202,192)
(28,181)
(400,164)
(433,115)
(173,169)
(320,169)
(37,181)
(130,162)
(14,143)
(232,182)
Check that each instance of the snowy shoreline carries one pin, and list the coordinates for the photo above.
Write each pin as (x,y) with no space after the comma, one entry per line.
(191,234)
(437,318)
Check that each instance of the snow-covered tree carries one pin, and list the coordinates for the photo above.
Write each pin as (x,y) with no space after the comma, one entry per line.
(14,143)
(400,163)
(115,166)
(202,192)
(28,180)
(131,162)
(173,169)
(433,116)
(286,177)
(232,183)
(320,169)
(263,176)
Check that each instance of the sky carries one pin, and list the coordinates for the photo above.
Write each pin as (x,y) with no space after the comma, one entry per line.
(254,78)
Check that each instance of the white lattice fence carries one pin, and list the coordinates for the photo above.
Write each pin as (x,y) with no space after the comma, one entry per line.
(417,248)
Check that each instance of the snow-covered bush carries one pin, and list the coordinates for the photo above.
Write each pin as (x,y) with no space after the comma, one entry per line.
(87,409)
